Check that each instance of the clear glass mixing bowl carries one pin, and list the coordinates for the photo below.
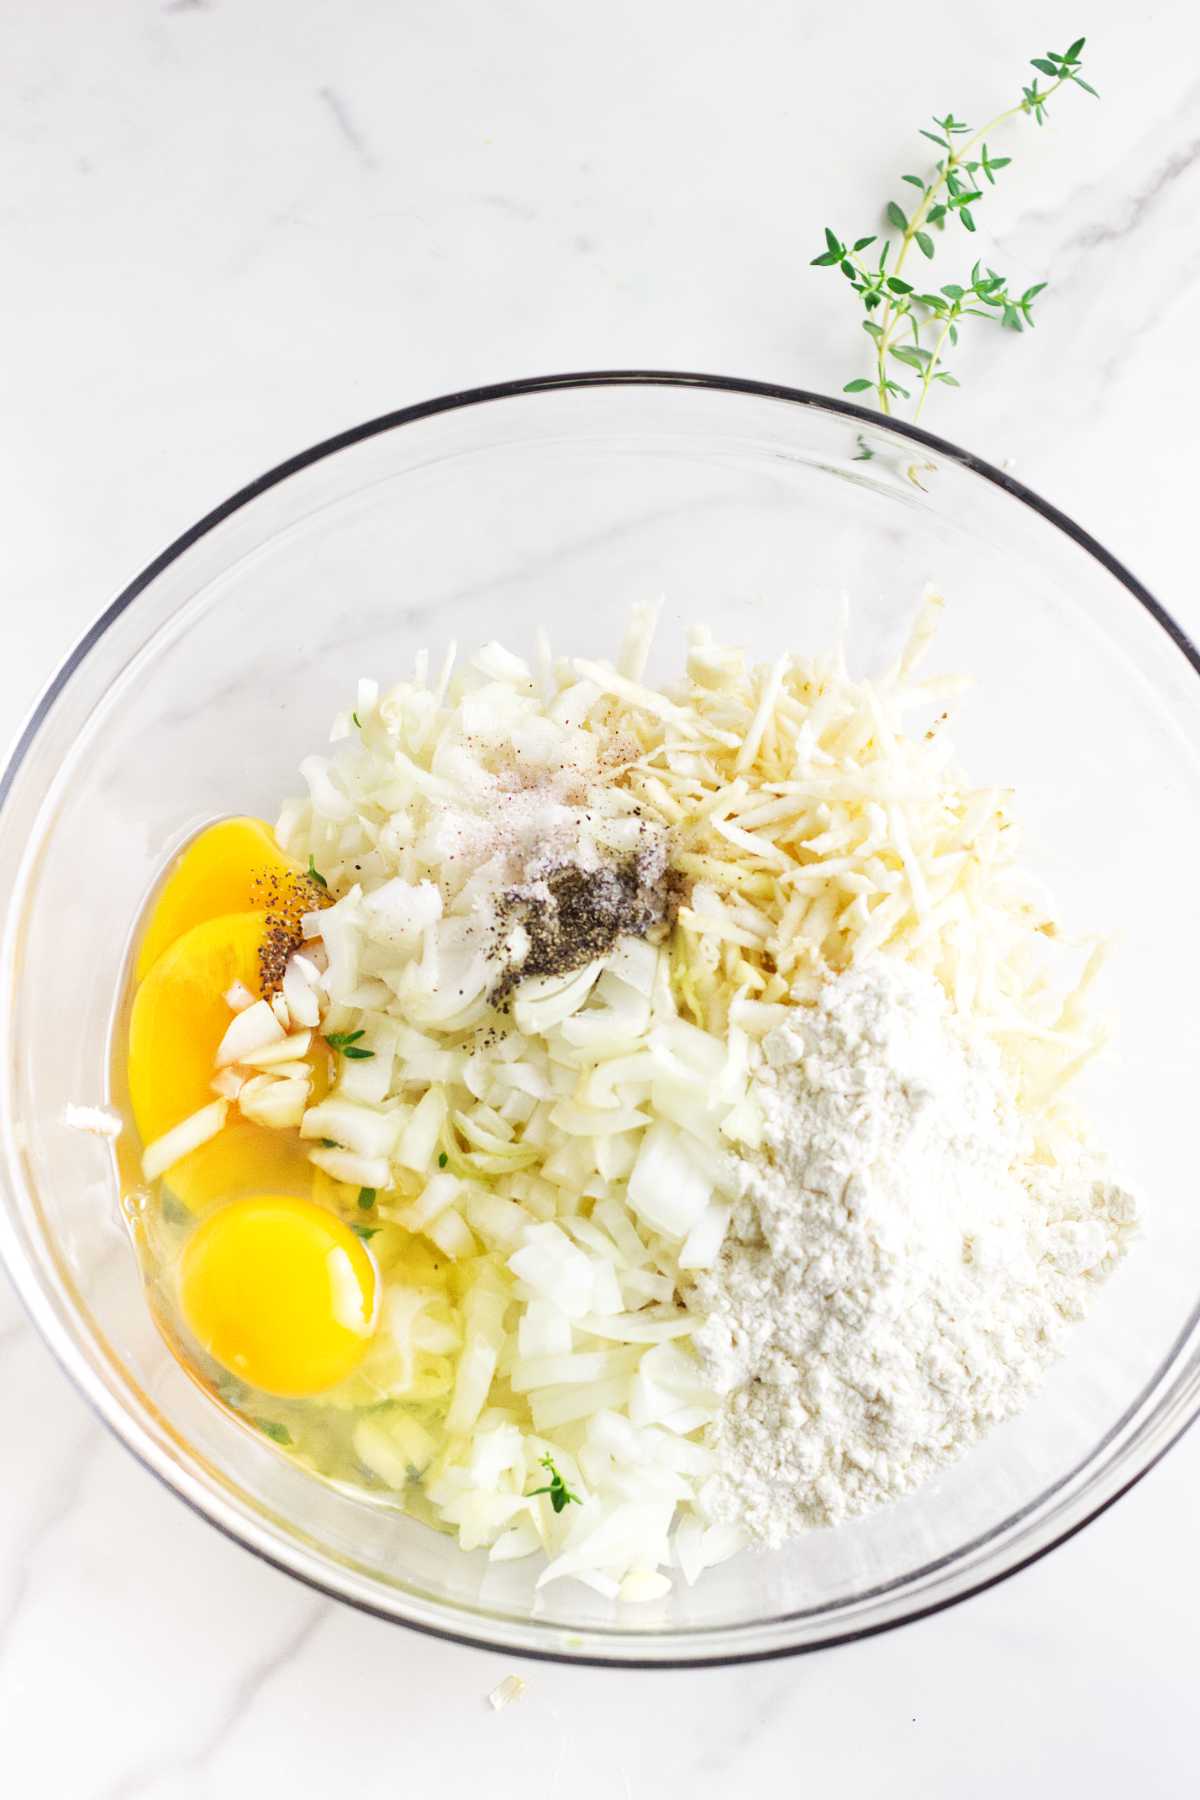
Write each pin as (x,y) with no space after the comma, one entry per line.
(559,502)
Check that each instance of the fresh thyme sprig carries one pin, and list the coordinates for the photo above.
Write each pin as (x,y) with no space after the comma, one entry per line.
(958,183)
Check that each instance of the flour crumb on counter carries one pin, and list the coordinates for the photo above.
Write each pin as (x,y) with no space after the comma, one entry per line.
(505,1692)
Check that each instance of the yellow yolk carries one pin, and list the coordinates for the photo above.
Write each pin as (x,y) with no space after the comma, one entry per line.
(233,867)
(280,1292)
(178,1019)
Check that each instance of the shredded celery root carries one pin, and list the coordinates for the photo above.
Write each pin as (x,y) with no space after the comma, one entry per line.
(818,830)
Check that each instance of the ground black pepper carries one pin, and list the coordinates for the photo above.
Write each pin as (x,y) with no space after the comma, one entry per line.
(284,899)
(571,915)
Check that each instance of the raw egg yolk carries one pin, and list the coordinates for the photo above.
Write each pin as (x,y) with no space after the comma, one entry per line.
(207,932)
(179,1017)
(280,1292)
(234,867)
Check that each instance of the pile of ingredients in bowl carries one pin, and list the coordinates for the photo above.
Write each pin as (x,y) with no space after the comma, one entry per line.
(619,1124)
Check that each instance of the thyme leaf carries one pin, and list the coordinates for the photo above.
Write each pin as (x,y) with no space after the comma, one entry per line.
(560,1494)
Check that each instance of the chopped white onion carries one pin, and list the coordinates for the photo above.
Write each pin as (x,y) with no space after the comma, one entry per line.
(641,1585)
(300,991)
(418,1141)
(702,1246)
(362,1129)
(668,1188)
(270,1101)
(165,1151)
(283,1050)
(550,1264)
(249,1032)
(228,1083)
(547,1000)
(357,1171)
(440,1191)
(452,1235)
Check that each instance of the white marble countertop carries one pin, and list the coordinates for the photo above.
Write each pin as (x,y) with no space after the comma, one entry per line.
(233,228)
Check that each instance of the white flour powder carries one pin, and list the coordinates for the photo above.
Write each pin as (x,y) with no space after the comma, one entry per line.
(898,1274)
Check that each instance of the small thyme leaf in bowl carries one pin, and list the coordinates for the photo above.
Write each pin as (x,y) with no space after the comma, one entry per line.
(346,1044)
(278,1434)
(365,1232)
(963,175)
(366,1198)
(560,1494)
(173,1210)
(314,874)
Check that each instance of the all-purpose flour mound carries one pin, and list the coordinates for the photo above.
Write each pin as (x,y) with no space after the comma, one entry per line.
(899,1272)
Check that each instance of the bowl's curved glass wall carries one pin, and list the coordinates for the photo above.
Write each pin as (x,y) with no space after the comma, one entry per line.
(762,516)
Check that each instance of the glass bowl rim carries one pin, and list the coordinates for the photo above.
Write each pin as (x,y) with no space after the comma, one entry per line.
(63,1344)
